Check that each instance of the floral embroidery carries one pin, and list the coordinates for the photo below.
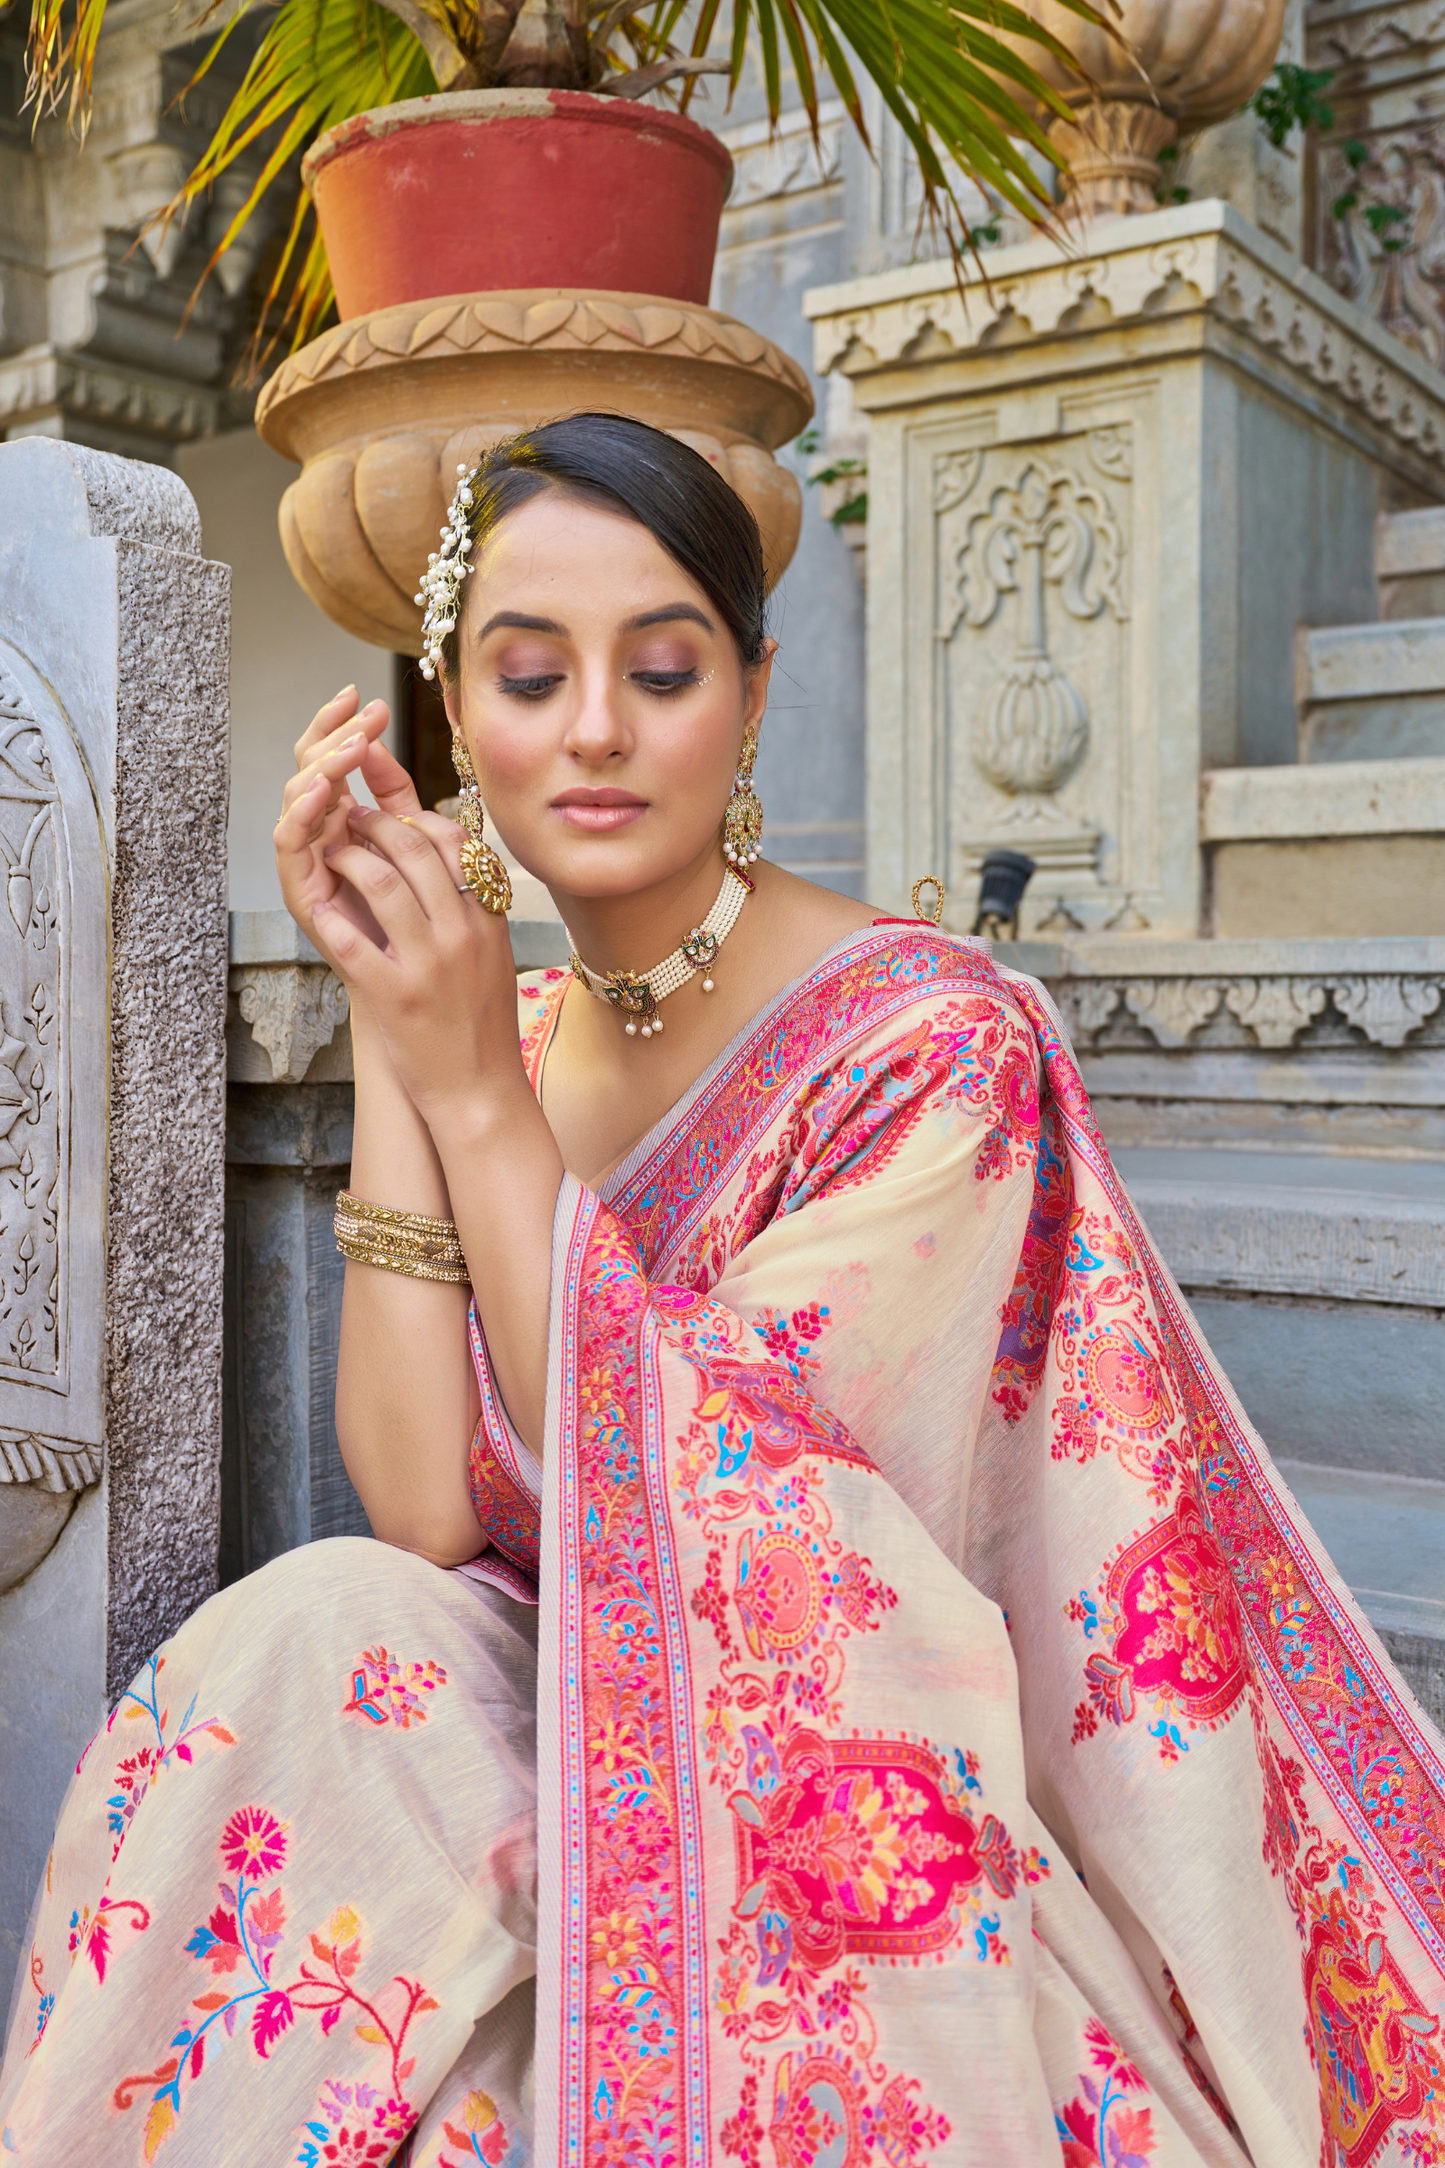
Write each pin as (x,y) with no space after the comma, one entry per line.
(387,1691)
(792,1340)
(1099,2128)
(1024,1343)
(664,1200)
(483,2135)
(1377,2049)
(238,1942)
(862,1847)
(825,2111)
(1116,1393)
(1169,1629)
(136,1773)
(90,1932)
(342,2133)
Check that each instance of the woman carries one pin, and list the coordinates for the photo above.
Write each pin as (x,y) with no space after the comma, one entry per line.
(942,1739)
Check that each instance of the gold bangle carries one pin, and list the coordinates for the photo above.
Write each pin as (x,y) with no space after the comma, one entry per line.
(412,1243)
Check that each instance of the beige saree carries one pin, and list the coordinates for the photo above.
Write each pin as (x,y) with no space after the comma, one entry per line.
(941,1738)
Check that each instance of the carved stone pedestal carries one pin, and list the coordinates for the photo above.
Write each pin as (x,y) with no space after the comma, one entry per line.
(381,411)
(1103,494)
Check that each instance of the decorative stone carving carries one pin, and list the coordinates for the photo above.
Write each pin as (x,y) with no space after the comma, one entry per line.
(34,1030)
(293,1010)
(1200,258)
(1275,1010)
(954,474)
(1386,1006)
(1172,1009)
(1386,60)
(107,338)
(787,160)
(1387,1010)
(1045,527)
(1090,741)
(1087,1005)
(381,411)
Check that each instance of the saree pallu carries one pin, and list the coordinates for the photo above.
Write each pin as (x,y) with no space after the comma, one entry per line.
(952,1746)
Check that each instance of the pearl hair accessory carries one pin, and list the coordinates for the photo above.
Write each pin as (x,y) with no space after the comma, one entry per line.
(637,993)
(439,592)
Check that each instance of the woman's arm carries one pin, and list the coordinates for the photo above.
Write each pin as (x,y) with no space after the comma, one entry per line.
(406,1392)
(446,1123)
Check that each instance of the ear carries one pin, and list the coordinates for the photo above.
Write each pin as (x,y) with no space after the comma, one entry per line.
(756,680)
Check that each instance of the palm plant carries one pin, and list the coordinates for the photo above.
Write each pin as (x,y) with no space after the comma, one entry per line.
(951,72)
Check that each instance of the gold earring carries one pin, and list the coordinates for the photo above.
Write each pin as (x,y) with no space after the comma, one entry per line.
(743,821)
(482,870)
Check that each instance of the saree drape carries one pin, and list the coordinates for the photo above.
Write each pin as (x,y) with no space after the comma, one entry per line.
(952,1746)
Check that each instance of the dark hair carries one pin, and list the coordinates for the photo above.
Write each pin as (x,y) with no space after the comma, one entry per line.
(670,489)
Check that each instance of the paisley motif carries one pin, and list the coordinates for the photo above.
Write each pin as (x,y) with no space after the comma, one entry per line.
(862,1847)
(1126,1383)
(779,1592)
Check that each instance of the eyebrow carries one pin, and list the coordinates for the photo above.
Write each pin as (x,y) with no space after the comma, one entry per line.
(518,621)
(670,614)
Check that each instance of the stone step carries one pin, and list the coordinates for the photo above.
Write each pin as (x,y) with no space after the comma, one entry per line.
(1410,563)
(1372,692)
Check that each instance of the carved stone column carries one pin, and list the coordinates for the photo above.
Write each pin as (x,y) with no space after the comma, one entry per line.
(113,789)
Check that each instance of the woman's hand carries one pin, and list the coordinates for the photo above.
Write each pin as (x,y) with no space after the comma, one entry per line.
(337,744)
(437,971)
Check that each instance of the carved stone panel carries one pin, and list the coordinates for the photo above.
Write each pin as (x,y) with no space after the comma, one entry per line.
(34,1036)
(1032,570)
(52,1076)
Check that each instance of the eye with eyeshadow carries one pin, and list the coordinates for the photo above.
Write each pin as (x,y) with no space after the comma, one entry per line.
(533,687)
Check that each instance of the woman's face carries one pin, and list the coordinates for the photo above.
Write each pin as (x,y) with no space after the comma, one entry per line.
(601,697)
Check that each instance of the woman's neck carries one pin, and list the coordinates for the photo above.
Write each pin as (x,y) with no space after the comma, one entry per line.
(635,932)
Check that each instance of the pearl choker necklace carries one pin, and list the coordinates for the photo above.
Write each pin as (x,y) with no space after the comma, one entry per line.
(637,993)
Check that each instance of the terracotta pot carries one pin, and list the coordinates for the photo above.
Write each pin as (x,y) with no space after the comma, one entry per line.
(1176,65)
(380,411)
(484,191)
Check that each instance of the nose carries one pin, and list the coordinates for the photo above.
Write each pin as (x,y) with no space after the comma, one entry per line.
(599,730)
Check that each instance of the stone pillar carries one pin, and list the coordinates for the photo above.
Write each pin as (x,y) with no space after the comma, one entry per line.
(113,786)
(1104,493)
(288,1151)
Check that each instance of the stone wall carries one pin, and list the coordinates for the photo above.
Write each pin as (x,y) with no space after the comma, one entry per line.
(113,784)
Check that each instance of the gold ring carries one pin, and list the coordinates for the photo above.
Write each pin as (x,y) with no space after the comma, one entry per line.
(929,880)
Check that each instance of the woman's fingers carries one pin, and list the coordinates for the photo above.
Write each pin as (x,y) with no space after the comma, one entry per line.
(366,725)
(333,761)
(389,783)
(419,846)
(334,716)
(386,889)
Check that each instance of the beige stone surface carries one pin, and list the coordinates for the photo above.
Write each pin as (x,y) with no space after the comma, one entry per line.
(1340,798)
(1330,885)
(381,411)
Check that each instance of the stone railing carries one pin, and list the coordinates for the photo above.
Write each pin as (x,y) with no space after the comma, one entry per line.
(1321,1046)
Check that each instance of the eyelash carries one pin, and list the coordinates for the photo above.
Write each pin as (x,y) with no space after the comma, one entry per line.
(660,683)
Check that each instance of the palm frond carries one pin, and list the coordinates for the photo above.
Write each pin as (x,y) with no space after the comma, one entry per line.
(953,74)
(61,56)
(320,62)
